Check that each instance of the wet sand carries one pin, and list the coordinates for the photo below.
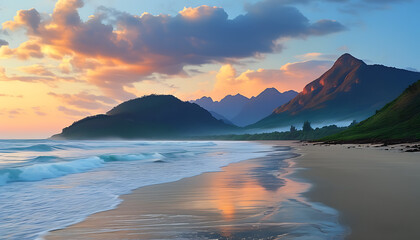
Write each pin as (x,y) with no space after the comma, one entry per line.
(376,190)
(253,199)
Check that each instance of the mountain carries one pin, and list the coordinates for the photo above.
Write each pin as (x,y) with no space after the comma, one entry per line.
(154,116)
(398,120)
(350,90)
(228,107)
(220,117)
(262,105)
(243,111)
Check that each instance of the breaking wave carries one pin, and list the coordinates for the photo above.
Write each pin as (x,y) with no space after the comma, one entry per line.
(42,170)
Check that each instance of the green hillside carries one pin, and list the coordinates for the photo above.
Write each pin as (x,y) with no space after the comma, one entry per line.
(398,120)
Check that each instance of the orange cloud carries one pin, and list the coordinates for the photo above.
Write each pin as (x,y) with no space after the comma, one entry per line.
(72,112)
(41,74)
(291,76)
(28,49)
(85,100)
(36,70)
(114,56)
(198,12)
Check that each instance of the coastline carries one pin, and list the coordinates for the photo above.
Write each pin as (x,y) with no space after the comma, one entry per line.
(374,188)
(256,198)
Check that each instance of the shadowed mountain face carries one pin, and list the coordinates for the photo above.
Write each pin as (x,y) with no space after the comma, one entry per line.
(154,116)
(398,120)
(243,111)
(350,90)
(220,117)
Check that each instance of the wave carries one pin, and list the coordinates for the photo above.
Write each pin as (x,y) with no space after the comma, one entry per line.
(42,171)
(130,157)
(34,148)
(45,159)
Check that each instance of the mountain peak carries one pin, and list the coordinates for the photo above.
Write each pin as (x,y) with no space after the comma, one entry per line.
(238,97)
(348,60)
(269,91)
(206,98)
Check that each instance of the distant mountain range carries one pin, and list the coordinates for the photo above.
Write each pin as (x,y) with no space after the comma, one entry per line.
(350,90)
(398,120)
(154,116)
(228,107)
(243,111)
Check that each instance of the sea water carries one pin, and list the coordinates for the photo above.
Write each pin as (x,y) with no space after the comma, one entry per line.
(47,184)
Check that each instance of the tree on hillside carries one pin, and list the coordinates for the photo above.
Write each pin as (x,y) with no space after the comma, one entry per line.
(354,123)
(293,129)
(307,126)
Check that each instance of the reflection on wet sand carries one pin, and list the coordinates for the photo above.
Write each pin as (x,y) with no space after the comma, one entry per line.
(250,199)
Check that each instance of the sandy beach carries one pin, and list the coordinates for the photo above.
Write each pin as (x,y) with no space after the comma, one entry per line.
(374,191)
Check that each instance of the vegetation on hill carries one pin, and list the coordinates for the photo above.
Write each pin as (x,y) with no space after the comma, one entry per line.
(307,133)
(398,121)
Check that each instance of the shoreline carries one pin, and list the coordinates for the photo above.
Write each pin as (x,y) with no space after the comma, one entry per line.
(215,208)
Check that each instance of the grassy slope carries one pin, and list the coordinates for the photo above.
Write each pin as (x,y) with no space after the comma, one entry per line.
(398,120)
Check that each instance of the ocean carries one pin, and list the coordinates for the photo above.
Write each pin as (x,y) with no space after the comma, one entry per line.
(48,184)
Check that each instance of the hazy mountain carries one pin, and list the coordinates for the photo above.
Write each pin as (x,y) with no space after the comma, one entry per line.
(398,120)
(220,117)
(228,107)
(262,105)
(154,116)
(243,111)
(350,90)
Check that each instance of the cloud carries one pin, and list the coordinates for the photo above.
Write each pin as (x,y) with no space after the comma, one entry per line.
(38,111)
(31,19)
(36,70)
(356,6)
(51,80)
(317,56)
(325,26)
(85,100)
(13,112)
(3,42)
(120,49)
(291,76)
(72,112)
(28,49)
(10,95)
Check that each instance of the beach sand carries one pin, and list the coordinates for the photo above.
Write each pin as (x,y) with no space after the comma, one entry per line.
(376,190)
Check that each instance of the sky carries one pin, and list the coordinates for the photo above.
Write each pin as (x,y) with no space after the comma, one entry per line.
(64,60)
